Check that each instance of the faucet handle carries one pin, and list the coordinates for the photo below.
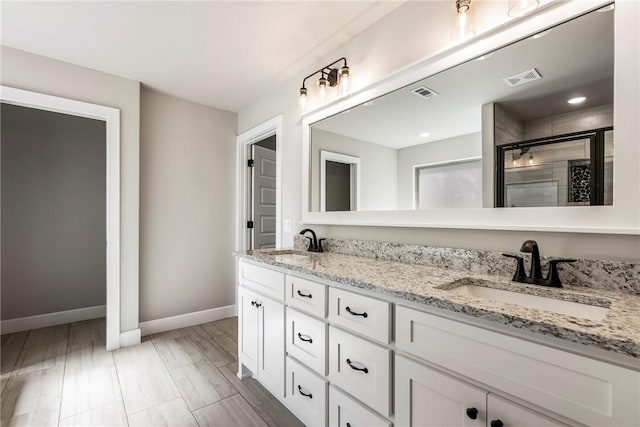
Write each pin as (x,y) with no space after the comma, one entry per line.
(519,274)
(553,278)
(320,249)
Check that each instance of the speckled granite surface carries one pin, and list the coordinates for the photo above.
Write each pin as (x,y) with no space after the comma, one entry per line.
(591,273)
(618,331)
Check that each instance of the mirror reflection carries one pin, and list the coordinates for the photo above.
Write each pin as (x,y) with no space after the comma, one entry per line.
(543,107)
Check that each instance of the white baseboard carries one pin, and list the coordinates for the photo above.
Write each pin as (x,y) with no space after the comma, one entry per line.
(52,319)
(188,319)
(129,338)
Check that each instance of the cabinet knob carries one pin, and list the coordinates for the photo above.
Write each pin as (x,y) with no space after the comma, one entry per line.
(472,413)
(496,423)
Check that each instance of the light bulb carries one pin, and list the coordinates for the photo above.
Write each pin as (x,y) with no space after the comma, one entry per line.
(514,161)
(531,158)
(462,29)
(322,84)
(343,87)
(302,99)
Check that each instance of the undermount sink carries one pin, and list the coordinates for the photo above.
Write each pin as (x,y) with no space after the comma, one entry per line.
(570,308)
(288,255)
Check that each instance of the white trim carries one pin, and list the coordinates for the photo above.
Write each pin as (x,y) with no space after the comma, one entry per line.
(355,177)
(621,218)
(52,319)
(111,116)
(129,338)
(188,319)
(244,140)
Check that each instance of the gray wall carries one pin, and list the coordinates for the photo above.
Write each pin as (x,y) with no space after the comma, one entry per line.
(379,166)
(53,212)
(186,206)
(37,73)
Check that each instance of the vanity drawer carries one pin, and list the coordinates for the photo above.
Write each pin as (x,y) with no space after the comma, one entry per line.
(306,394)
(261,279)
(307,340)
(582,389)
(368,316)
(345,412)
(361,368)
(306,295)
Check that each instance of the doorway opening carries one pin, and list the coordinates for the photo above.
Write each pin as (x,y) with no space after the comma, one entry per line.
(258,189)
(106,205)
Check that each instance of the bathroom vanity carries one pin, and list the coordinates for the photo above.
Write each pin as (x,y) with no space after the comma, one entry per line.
(353,340)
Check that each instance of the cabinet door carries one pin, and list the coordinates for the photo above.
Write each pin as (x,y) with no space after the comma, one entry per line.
(271,345)
(507,414)
(248,325)
(426,397)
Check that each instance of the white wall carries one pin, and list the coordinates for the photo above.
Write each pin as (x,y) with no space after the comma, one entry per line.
(53,212)
(378,169)
(411,32)
(445,150)
(37,73)
(187,153)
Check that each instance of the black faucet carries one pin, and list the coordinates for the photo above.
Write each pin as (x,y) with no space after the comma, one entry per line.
(315,245)
(535,277)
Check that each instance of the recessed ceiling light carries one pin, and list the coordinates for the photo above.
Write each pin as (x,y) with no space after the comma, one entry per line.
(483,57)
(424,134)
(577,100)
(541,34)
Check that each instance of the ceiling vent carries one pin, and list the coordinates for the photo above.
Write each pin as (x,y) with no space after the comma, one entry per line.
(523,78)
(424,92)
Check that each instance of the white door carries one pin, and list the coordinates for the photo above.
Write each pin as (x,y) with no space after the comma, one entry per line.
(264,198)
(507,414)
(426,397)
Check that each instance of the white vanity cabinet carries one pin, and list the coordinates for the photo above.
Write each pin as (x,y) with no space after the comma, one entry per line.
(261,347)
(428,397)
(406,365)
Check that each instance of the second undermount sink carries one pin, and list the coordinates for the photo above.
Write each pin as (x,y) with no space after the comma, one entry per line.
(561,306)
(289,255)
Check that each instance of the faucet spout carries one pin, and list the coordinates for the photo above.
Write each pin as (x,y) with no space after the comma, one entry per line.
(313,241)
(531,247)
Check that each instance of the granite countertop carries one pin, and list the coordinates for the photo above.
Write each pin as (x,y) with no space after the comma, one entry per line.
(618,331)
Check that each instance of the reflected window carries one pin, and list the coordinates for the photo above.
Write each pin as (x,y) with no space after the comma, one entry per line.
(449,185)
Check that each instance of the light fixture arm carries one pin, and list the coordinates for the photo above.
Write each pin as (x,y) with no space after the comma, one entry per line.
(331,73)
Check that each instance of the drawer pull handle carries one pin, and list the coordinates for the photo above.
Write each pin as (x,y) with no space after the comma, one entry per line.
(355,368)
(472,413)
(304,295)
(496,423)
(353,313)
(309,395)
(302,338)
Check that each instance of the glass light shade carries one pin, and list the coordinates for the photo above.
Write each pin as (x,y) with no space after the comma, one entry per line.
(461,27)
(302,99)
(343,85)
(522,7)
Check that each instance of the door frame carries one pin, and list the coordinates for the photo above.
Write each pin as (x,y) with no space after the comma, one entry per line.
(243,142)
(111,117)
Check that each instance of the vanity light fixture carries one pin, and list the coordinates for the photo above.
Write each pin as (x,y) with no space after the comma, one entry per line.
(463,29)
(530,158)
(577,100)
(330,76)
(519,8)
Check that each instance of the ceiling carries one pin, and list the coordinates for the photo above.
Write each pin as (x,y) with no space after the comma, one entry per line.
(575,58)
(225,54)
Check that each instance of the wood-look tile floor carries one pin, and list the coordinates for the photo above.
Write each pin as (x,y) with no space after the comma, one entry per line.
(63,376)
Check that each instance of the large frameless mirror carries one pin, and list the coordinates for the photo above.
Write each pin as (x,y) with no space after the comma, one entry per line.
(542,105)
